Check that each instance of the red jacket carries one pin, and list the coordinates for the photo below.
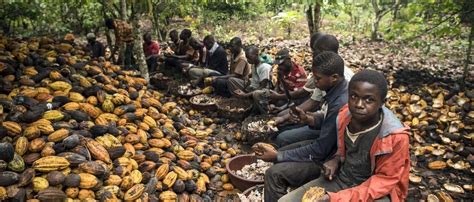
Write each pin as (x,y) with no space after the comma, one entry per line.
(390,161)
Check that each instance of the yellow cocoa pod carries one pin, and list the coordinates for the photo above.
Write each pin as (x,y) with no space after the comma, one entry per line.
(98,151)
(92,100)
(55,75)
(170,178)
(228,186)
(88,181)
(108,106)
(45,129)
(168,196)
(86,195)
(150,121)
(94,112)
(41,122)
(136,176)
(437,165)
(72,106)
(58,135)
(31,132)
(72,192)
(134,193)
(76,97)
(162,171)
(21,145)
(50,163)
(40,183)
(3,193)
(29,93)
(60,85)
(186,155)
(53,115)
(127,183)
(13,128)
(182,174)
(201,185)
(30,71)
(114,180)
(84,82)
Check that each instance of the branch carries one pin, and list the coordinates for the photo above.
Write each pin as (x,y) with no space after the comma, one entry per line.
(434,27)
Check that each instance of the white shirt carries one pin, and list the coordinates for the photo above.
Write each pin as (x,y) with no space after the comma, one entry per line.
(317,94)
(260,73)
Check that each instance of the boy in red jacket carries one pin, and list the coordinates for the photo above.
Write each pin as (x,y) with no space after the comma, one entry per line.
(372,162)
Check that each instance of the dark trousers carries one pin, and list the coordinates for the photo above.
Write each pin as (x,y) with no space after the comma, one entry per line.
(126,57)
(289,174)
(295,135)
(152,64)
(221,87)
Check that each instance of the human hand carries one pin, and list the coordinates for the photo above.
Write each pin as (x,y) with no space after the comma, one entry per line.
(330,168)
(239,93)
(323,198)
(209,80)
(279,120)
(265,151)
(298,115)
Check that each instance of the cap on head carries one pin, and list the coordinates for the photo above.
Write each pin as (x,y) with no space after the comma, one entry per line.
(281,56)
(90,36)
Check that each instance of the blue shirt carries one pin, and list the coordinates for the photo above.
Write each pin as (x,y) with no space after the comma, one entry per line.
(325,145)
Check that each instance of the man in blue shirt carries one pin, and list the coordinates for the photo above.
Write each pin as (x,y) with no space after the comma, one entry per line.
(295,164)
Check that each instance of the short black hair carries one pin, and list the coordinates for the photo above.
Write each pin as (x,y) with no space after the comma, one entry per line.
(146,35)
(186,33)
(327,42)
(173,31)
(237,41)
(251,49)
(373,77)
(109,22)
(314,37)
(328,63)
(209,38)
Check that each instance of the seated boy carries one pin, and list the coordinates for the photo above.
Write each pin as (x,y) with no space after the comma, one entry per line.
(185,53)
(372,161)
(215,63)
(293,78)
(239,68)
(261,73)
(294,164)
(151,49)
(290,134)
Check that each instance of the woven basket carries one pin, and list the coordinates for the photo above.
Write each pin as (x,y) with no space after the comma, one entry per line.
(223,106)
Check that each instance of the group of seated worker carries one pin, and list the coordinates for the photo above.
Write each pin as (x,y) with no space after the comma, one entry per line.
(334,130)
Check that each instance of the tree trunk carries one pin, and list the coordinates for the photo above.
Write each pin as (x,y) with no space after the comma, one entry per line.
(138,48)
(123,9)
(309,18)
(313,16)
(375,27)
(317,16)
(468,57)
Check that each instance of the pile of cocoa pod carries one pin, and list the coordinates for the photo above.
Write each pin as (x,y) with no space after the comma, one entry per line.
(75,129)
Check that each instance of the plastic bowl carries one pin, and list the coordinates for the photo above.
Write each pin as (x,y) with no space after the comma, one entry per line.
(238,163)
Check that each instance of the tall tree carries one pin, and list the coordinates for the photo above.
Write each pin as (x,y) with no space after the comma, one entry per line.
(381,8)
(313,16)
